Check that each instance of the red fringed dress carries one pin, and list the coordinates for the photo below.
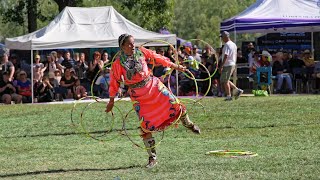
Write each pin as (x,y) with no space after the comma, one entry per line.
(153,102)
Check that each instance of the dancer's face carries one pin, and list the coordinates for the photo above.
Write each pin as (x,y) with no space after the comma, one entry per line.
(128,46)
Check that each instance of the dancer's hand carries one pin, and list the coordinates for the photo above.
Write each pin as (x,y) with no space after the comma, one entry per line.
(179,67)
(110,104)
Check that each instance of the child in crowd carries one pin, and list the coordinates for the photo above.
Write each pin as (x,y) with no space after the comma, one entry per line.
(79,91)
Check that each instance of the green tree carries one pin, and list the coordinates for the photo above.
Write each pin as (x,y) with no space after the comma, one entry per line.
(201,19)
(72,3)
(152,14)
(28,11)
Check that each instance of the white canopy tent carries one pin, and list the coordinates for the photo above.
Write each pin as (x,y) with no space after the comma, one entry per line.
(94,27)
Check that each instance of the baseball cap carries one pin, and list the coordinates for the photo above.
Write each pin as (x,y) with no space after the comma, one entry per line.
(22,73)
(307,51)
(37,56)
(224,34)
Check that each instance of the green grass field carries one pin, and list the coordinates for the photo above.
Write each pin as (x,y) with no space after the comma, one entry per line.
(39,142)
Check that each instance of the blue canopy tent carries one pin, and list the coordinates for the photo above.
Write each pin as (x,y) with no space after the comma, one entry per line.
(270,16)
(267,16)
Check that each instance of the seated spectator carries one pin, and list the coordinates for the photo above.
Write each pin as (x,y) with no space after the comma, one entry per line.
(24,87)
(67,82)
(316,75)
(45,91)
(79,91)
(104,83)
(295,62)
(280,71)
(53,81)
(8,91)
(308,60)
(57,76)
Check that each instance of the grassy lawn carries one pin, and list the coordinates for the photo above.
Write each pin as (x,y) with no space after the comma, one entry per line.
(39,142)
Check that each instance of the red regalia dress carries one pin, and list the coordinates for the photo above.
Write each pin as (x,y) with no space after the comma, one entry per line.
(153,102)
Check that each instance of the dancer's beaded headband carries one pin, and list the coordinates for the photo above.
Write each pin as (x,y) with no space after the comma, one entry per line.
(122,38)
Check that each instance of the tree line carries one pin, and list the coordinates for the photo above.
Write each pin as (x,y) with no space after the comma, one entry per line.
(189,19)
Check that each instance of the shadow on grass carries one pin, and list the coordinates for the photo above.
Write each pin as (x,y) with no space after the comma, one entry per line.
(261,127)
(56,171)
(68,133)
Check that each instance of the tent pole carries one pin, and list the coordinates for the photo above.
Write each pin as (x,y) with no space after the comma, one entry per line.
(177,81)
(32,85)
(312,45)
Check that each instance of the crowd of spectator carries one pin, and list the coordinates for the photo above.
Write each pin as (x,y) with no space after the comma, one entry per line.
(59,75)
(288,67)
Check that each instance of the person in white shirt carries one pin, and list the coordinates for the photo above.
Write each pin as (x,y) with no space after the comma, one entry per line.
(229,58)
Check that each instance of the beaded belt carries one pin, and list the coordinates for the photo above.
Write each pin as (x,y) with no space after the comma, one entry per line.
(141,83)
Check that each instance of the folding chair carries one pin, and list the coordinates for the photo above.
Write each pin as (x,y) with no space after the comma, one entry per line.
(268,83)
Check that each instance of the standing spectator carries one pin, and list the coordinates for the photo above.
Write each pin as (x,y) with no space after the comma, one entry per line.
(81,68)
(95,66)
(76,57)
(54,58)
(37,74)
(24,87)
(195,53)
(15,62)
(5,65)
(60,58)
(105,59)
(159,70)
(229,54)
(249,52)
(169,54)
(210,52)
(8,91)
(39,65)
(68,62)
(240,58)
(204,74)
(51,65)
